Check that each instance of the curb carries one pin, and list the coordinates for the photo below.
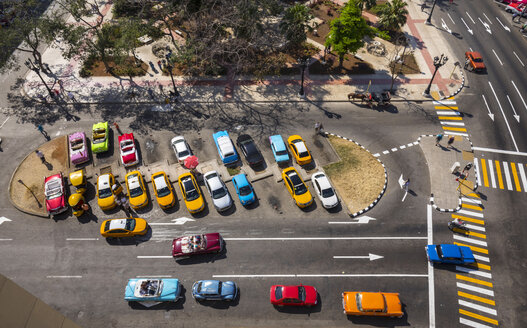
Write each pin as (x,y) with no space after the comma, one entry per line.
(369,207)
(459,89)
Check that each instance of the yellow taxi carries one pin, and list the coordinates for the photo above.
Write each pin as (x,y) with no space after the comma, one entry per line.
(299,149)
(105,195)
(372,304)
(191,193)
(296,187)
(136,190)
(129,227)
(163,190)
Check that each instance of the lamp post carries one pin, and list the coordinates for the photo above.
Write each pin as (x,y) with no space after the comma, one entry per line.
(303,64)
(169,66)
(429,19)
(438,62)
(31,65)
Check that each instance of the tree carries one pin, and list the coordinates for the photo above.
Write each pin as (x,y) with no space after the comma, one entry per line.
(295,23)
(368,4)
(393,15)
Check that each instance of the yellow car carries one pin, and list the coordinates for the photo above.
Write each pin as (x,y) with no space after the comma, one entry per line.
(372,304)
(163,190)
(105,196)
(191,193)
(136,190)
(299,149)
(129,227)
(297,188)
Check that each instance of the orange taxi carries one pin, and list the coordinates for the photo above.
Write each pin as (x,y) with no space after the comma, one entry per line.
(372,304)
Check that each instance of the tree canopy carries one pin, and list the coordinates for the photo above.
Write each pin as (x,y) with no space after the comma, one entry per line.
(392,15)
(294,24)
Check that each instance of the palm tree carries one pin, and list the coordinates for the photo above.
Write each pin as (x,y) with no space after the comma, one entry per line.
(393,15)
(366,4)
(295,23)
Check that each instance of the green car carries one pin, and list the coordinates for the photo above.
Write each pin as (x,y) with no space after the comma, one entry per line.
(99,142)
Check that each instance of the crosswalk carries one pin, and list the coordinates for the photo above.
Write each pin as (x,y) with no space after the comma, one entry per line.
(503,175)
(450,118)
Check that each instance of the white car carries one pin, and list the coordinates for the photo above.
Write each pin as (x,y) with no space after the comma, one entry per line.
(218,191)
(181,148)
(324,190)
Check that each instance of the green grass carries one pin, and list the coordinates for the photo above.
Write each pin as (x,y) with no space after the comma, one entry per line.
(233,170)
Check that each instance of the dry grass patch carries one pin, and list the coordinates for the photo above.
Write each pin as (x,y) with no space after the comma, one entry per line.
(358,177)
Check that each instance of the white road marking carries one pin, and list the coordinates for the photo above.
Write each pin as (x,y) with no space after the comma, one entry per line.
(481,258)
(416,142)
(385,152)
(321,275)
(448,112)
(473,22)
(57,134)
(470,213)
(519,94)
(505,27)
(518,59)
(495,54)
(6,239)
(82,239)
(154,257)
(516,116)
(444,102)
(476,289)
(471,200)
(487,18)
(410,144)
(394,149)
(4,219)
(1,126)
(370,256)
(522,175)
(402,147)
(320,238)
(453,123)
(503,113)
(431,291)
(491,115)
(473,324)
(360,220)
(478,307)
(64,277)
(474,272)
(475,227)
(178,221)
(507,175)
(158,276)
(468,28)
(451,19)
(500,151)
(491,173)
(471,240)
(450,133)
(376,155)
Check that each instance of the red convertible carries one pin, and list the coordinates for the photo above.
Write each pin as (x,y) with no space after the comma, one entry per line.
(54,192)
(128,151)
(186,246)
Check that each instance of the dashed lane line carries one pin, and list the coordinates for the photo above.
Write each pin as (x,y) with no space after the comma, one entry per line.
(474,280)
(474,248)
(480,290)
(477,316)
(474,272)
(64,277)
(322,275)
(476,298)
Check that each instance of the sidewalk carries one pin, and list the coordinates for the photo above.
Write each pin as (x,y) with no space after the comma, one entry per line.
(426,43)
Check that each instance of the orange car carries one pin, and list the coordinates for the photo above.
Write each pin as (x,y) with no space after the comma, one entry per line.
(474,61)
(372,304)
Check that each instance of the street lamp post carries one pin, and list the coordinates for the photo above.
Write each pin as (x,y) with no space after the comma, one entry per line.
(438,62)
(31,65)
(429,19)
(303,64)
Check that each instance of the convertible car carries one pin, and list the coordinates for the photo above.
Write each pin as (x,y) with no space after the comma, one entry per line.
(99,141)
(149,292)
(55,197)
(186,246)
(128,151)
(78,149)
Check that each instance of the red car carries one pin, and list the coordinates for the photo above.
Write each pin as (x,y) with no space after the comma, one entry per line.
(186,246)
(55,197)
(128,151)
(293,295)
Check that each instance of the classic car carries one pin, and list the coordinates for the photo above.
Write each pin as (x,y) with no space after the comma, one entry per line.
(54,192)
(372,304)
(78,150)
(279,150)
(149,292)
(186,246)
(214,290)
(128,150)
(225,147)
(449,254)
(100,136)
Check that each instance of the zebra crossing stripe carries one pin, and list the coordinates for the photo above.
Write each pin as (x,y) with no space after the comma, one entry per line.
(472,324)
(452,123)
(522,175)
(471,200)
(450,118)
(447,107)
(472,207)
(473,227)
(475,272)
(474,248)
(476,169)
(444,102)
(480,266)
(448,128)
(481,258)
(452,133)
(507,175)
(474,280)
(484,171)
(476,289)
(478,307)
(448,113)
(475,234)
(515,177)
(476,298)
(471,240)
(498,172)
(464,218)
(470,213)
(477,316)
(491,171)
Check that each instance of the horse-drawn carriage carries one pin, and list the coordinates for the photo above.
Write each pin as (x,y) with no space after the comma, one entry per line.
(378,98)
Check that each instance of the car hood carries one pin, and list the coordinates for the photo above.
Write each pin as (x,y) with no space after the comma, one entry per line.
(213,240)
(176,246)
(432,253)
(129,157)
(228,288)
(330,201)
(55,203)
(223,202)
(311,294)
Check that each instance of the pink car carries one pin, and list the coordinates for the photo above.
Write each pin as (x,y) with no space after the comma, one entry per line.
(186,246)
(54,192)
(128,151)
(78,149)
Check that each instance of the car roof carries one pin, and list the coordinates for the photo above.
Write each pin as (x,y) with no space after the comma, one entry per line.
(180,145)
(225,144)
(241,179)
(474,54)
(278,142)
(160,181)
(104,181)
(295,178)
(133,180)
(213,179)
(244,137)
(372,301)
(126,136)
(209,286)
(300,145)
(289,291)
(322,180)
(117,224)
(452,251)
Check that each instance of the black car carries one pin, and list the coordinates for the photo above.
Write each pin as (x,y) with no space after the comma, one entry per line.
(249,149)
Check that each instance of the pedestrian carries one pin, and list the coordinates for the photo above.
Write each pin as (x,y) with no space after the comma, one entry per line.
(72,97)
(61,85)
(42,98)
(56,92)
(516,14)
(40,129)
(125,203)
(451,1)
(466,168)
(406,184)
(439,137)
(41,156)
(524,26)
(423,6)
(159,64)
(117,128)
(318,127)
(451,141)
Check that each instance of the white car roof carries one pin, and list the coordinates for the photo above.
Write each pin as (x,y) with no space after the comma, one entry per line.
(104,181)
(133,181)
(117,224)
(300,146)
(322,180)
(225,145)
(160,182)
(213,179)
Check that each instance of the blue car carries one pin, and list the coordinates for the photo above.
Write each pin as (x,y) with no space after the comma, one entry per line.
(149,292)
(214,290)
(228,153)
(244,189)
(448,253)
(279,149)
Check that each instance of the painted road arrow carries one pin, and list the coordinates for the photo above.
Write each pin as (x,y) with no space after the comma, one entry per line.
(4,219)
(487,27)
(445,26)
(468,28)
(178,221)
(516,116)
(360,220)
(488,108)
(370,256)
(505,27)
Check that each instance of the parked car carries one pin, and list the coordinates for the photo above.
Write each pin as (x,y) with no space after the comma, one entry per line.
(296,187)
(100,137)
(105,195)
(244,189)
(149,292)
(186,246)
(517,8)
(128,150)
(298,295)
(163,190)
(225,147)
(135,185)
(474,61)
(218,191)
(372,304)
(324,190)
(78,148)
(181,148)
(279,150)
(249,150)
(191,193)
(214,290)
(119,228)
(55,194)
(450,254)
(299,150)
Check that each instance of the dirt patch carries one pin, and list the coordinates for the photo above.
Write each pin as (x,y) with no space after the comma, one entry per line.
(407,66)
(358,177)
(129,68)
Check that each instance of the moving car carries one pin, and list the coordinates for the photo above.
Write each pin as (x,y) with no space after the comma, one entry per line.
(244,189)
(474,61)
(299,149)
(150,292)
(163,190)
(450,254)
(214,290)
(54,192)
(225,147)
(100,136)
(78,149)
(135,185)
(372,304)
(249,150)
(298,295)
(324,190)
(129,227)
(279,150)
(127,149)
(218,191)
(191,193)
(296,187)
(105,195)
(186,246)
(181,148)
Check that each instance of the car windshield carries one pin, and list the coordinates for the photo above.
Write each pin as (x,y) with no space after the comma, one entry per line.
(163,192)
(106,192)
(219,193)
(301,293)
(130,224)
(281,153)
(219,287)
(183,153)
(478,60)
(136,192)
(358,298)
(327,192)
(76,144)
(245,190)
(300,189)
(190,191)
(303,154)
(439,252)
(278,293)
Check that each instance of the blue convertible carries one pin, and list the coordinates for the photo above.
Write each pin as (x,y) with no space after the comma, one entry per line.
(150,292)
(214,290)
(452,254)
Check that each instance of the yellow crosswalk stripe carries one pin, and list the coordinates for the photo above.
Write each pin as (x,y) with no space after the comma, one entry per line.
(476,298)
(515,175)
(464,218)
(479,317)
(472,207)
(473,194)
(435,95)
(480,266)
(484,171)
(498,171)
(476,281)
(474,248)
(477,234)
(449,128)
(446,107)
(450,118)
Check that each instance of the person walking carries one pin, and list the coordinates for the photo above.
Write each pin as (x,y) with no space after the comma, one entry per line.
(439,137)
(117,128)
(72,97)
(451,142)
(40,129)
(41,156)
